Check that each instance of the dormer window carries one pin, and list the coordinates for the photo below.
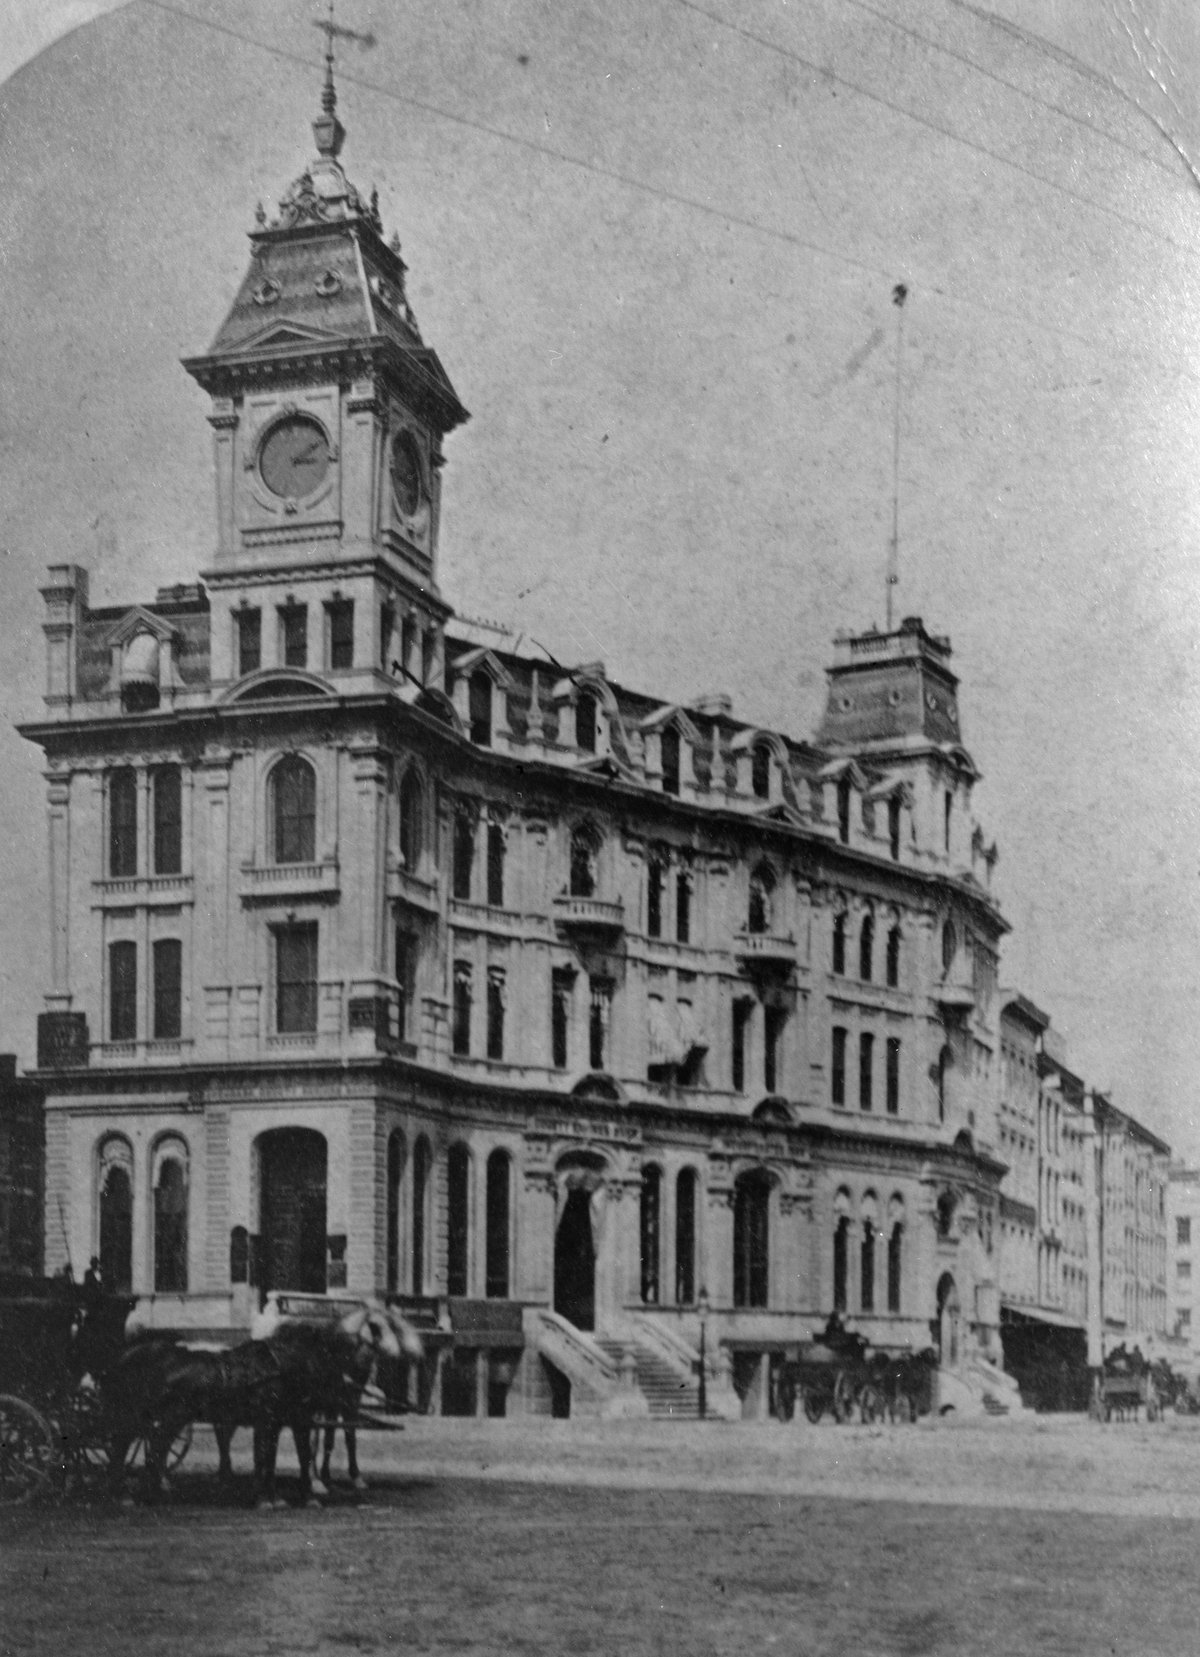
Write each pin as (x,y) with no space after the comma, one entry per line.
(479,709)
(139,674)
(586,723)
(760,771)
(670,760)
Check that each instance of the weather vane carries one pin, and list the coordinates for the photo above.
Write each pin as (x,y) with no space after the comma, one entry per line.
(332,31)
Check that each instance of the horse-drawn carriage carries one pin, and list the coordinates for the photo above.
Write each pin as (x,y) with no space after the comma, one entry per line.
(838,1375)
(1129,1383)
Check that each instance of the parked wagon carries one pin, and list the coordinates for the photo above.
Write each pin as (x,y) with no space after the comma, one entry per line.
(56,1344)
(1127,1385)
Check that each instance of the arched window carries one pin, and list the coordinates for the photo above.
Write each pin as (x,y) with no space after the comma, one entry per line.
(458,1228)
(479,708)
(685,1237)
(839,944)
(760,771)
(122,824)
(751,1239)
(841,1250)
(499,1185)
(866,949)
(944,1063)
(584,856)
(294,810)
(895,1253)
(422,1160)
(650,1216)
(893,957)
(168,820)
(867,1258)
(949,946)
(395,1173)
(866,1062)
(115,1202)
(762,888)
(171,1218)
(411,807)
(670,747)
(586,723)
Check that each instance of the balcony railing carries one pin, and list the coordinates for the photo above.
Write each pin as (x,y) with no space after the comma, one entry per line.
(274,882)
(578,914)
(766,949)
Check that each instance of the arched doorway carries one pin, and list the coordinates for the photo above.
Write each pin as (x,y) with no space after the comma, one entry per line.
(949,1316)
(292,1175)
(581,1184)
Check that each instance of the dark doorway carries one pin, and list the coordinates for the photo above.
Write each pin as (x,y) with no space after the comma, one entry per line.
(292,1181)
(575,1262)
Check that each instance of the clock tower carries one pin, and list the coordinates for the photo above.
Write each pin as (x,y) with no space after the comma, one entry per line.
(329,414)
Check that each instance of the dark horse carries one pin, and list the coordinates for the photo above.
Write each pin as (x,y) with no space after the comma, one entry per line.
(298,1374)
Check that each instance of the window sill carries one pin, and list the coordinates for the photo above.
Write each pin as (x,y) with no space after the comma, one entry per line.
(148,889)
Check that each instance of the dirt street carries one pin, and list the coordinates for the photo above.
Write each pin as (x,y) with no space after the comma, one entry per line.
(1000,1548)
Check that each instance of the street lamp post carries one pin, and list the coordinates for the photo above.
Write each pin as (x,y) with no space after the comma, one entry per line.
(702,1309)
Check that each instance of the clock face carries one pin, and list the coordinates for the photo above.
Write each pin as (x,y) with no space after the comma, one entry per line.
(408,480)
(295,457)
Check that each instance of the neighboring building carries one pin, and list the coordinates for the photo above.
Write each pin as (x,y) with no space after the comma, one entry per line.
(1131,1169)
(385,958)
(22,1154)
(1183,1264)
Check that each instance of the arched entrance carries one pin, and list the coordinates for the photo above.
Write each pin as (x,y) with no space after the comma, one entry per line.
(292,1173)
(581,1187)
(949,1316)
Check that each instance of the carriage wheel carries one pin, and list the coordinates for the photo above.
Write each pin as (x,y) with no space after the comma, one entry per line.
(814,1405)
(28,1460)
(843,1397)
(135,1456)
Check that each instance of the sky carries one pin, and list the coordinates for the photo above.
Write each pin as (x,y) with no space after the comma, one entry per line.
(654,243)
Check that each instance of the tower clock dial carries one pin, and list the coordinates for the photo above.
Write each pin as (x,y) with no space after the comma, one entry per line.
(408,478)
(295,457)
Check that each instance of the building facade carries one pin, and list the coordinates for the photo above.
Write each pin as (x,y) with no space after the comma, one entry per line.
(387,959)
(22,1159)
(1183,1252)
(1130,1256)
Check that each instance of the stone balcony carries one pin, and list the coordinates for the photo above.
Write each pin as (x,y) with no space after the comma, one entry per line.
(278,882)
(595,916)
(766,951)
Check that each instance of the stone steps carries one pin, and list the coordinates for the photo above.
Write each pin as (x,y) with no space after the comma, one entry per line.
(668,1394)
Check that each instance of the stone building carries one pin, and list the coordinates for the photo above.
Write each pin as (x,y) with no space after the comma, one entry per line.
(1129,1260)
(1183,1251)
(22,1153)
(389,959)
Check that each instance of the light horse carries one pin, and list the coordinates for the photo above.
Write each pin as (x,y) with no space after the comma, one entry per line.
(411,1349)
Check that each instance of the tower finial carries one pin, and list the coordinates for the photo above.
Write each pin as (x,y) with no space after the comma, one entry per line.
(328,131)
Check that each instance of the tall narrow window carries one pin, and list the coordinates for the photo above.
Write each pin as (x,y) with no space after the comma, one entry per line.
(395,1172)
(122,824)
(293,626)
(655,878)
(599,1018)
(751,1229)
(893,957)
(895,1244)
(411,812)
(167,963)
(168,820)
(843,810)
(773,1022)
(116,1216)
(762,888)
(463,996)
(463,853)
(496,845)
(839,944)
(406,982)
(497,1246)
(170,1226)
(408,646)
(894,827)
(294,808)
(893,1075)
(841,1252)
(341,634)
(422,1157)
(296,978)
(670,760)
(866,949)
(458,1200)
(249,640)
(683,906)
(561,987)
(685,1237)
(742,1010)
(429,654)
(866,1055)
(867,1261)
(760,771)
(650,1216)
(387,628)
(479,708)
(945,1060)
(584,856)
(837,1075)
(947,813)
(585,724)
(122,991)
(495,1012)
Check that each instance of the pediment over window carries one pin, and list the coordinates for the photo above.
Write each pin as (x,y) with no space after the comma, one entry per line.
(486,661)
(274,684)
(847,768)
(285,336)
(137,620)
(670,715)
(892,788)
